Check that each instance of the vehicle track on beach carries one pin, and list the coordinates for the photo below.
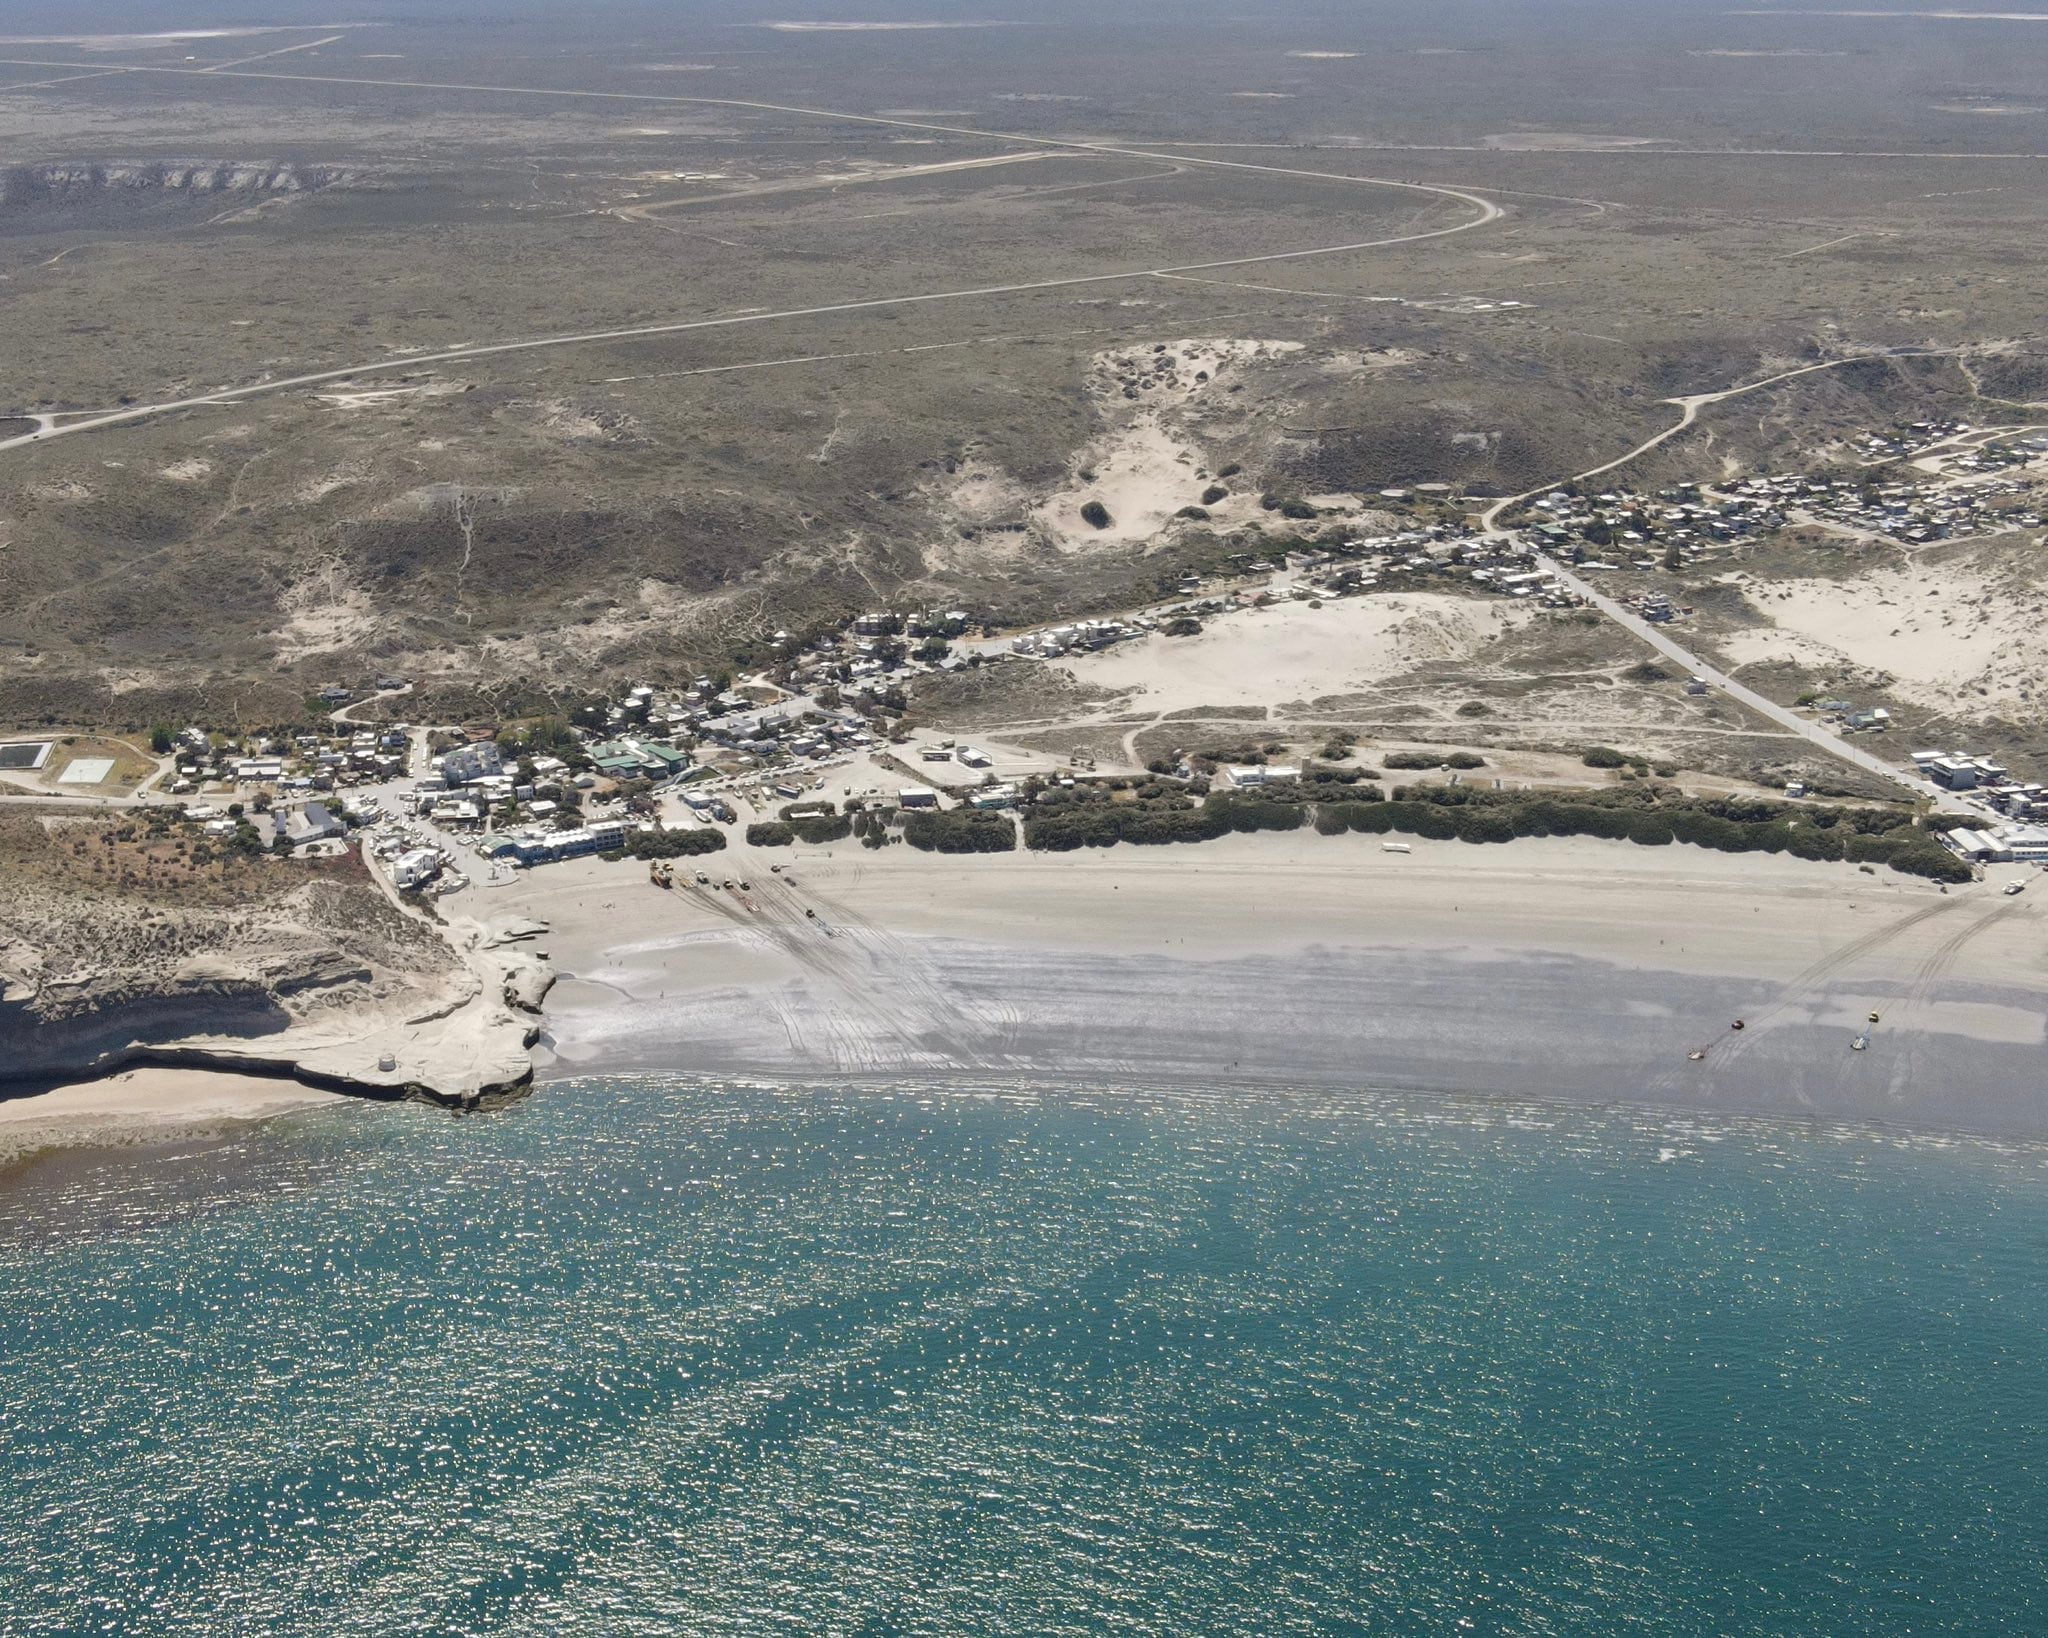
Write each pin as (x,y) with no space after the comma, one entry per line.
(1941,960)
(1727,1047)
(881,967)
(882,976)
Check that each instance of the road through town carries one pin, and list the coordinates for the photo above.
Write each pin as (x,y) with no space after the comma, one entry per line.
(1812,732)
(1689,406)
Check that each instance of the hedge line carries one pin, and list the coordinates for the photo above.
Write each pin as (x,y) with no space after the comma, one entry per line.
(831,828)
(960,830)
(1904,848)
(1103,824)
(673,844)
(1727,825)
(781,832)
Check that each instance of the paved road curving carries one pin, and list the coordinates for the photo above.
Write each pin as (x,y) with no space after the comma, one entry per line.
(1835,746)
(1484,212)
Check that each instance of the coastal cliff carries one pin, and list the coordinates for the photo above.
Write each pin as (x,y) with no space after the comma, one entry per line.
(275,970)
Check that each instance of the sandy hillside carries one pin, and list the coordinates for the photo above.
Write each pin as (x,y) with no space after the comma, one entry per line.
(1293,652)
(1146,465)
(1951,634)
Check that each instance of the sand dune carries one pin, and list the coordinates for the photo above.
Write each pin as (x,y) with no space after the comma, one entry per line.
(1293,652)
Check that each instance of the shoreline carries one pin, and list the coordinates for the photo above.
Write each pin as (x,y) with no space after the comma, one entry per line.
(145,1105)
(1566,971)
(967,1086)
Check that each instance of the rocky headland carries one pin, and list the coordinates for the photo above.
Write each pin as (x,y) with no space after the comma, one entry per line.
(263,967)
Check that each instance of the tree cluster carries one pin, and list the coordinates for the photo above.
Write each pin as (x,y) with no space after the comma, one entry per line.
(673,844)
(960,830)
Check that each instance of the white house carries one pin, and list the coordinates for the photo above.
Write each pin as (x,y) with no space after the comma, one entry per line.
(414,869)
(1252,776)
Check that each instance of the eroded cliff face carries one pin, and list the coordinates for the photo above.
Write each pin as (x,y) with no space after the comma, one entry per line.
(87,979)
(25,187)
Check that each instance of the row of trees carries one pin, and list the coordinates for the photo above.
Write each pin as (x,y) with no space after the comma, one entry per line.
(960,830)
(673,844)
(1853,835)
(1103,824)
(1153,814)
(782,832)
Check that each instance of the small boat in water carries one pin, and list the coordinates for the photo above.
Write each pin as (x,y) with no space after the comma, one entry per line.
(1859,1043)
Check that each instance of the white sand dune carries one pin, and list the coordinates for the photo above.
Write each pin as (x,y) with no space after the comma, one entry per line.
(1950,634)
(1293,652)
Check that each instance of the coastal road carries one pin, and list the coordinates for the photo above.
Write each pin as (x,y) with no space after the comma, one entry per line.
(14,797)
(1689,406)
(831,182)
(1812,732)
(236,70)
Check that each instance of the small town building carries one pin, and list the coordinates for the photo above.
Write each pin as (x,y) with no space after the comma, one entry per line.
(415,869)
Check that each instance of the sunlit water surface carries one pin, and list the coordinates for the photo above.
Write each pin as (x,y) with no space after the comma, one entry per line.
(660,1356)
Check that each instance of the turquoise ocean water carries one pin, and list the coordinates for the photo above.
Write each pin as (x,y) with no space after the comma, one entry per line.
(646,1356)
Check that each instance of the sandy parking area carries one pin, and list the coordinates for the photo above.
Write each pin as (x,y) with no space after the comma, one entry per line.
(1292,652)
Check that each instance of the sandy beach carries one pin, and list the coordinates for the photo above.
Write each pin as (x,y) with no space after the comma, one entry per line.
(1566,969)
(146,1105)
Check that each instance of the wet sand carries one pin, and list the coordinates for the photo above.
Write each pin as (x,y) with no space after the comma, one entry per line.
(1566,969)
(143,1106)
